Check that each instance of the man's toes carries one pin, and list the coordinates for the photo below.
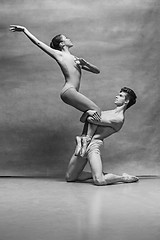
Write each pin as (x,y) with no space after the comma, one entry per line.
(129,178)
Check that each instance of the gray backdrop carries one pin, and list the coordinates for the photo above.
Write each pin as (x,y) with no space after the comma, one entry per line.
(37,129)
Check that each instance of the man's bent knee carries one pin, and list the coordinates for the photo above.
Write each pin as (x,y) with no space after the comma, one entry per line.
(70,178)
(99,181)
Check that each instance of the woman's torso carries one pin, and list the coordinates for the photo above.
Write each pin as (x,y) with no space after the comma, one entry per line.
(71,69)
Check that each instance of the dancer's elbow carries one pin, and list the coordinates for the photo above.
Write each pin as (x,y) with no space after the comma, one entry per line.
(97,71)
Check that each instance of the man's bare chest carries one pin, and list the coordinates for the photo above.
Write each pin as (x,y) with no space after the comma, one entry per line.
(111,117)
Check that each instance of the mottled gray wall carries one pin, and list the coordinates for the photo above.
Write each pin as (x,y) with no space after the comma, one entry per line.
(121,37)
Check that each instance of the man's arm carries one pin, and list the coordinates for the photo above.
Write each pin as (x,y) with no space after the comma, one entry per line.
(104,123)
(91,113)
(100,123)
(51,52)
(88,66)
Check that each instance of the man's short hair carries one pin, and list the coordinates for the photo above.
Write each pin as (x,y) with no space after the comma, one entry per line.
(130,94)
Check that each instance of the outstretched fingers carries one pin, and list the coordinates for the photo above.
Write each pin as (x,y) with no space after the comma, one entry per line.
(12,28)
(15,28)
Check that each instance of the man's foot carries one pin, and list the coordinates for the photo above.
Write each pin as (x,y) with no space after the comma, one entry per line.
(78,145)
(85,142)
(129,178)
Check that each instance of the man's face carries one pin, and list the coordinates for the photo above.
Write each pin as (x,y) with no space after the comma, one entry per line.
(67,42)
(121,99)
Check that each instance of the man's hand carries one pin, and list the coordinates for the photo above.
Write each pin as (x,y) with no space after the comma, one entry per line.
(16,28)
(94,115)
(91,114)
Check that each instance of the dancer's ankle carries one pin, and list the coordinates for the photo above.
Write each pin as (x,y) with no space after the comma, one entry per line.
(88,137)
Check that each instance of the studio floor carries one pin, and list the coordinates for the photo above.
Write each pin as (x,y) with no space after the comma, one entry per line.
(51,209)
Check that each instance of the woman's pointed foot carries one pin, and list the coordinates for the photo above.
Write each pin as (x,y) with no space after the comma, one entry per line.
(78,145)
(85,142)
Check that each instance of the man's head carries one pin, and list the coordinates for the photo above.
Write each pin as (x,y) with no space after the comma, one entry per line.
(126,97)
(59,41)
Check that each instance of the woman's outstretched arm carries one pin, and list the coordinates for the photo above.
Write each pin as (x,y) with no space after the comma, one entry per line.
(51,52)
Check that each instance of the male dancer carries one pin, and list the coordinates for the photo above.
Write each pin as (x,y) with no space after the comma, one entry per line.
(111,122)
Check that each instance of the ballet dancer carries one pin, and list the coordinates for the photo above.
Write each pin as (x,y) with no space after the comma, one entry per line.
(111,122)
(71,68)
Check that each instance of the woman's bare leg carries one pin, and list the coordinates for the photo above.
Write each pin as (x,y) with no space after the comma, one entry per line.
(79,101)
(82,103)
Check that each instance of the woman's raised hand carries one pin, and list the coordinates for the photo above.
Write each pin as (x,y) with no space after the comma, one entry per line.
(16,28)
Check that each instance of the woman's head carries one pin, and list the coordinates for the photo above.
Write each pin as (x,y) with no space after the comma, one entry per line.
(59,41)
(55,43)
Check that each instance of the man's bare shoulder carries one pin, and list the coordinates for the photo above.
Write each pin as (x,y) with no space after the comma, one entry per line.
(111,116)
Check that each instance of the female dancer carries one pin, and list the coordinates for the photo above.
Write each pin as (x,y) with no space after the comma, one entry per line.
(71,68)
